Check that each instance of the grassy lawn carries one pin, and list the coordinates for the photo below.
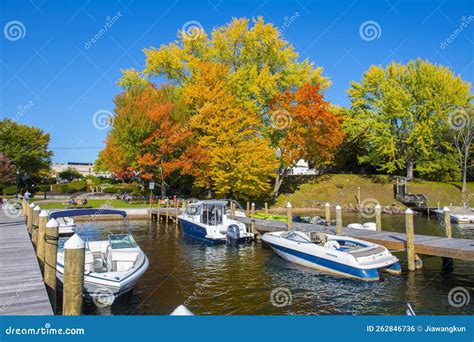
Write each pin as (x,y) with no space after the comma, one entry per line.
(95,203)
(342,189)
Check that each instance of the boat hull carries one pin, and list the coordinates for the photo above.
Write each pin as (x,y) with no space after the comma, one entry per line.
(198,232)
(325,265)
(96,285)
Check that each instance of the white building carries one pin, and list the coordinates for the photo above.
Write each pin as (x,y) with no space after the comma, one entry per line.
(302,168)
(86,169)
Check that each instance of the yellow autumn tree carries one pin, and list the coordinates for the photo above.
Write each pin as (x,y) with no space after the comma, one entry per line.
(239,161)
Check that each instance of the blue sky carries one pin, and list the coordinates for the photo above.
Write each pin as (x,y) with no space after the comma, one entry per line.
(50,78)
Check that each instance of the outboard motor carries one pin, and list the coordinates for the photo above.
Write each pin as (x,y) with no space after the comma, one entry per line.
(233,233)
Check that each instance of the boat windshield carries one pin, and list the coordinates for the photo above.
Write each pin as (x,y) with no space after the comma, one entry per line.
(192,210)
(212,214)
(294,237)
(118,241)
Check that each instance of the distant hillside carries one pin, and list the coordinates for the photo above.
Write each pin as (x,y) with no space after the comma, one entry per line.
(342,189)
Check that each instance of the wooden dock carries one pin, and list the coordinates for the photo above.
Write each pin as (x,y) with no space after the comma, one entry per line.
(453,248)
(22,291)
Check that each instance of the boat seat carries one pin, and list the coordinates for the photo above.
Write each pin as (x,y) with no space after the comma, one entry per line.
(362,252)
(89,261)
(123,260)
(318,238)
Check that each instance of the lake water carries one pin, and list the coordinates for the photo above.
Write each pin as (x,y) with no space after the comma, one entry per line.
(250,279)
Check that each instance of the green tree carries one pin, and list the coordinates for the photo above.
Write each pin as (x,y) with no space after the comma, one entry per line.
(400,113)
(70,174)
(26,147)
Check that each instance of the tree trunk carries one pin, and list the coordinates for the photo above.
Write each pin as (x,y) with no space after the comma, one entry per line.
(278,182)
(464,172)
(409,165)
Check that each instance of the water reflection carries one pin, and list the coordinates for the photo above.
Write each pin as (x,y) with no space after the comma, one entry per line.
(239,280)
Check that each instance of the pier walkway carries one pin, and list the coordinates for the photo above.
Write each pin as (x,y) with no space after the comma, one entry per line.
(22,291)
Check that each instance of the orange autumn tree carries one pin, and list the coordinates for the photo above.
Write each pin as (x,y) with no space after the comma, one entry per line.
(303,126)
(238,160)
(147,135)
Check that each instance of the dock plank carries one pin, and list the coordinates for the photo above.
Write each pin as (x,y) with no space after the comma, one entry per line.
(22,291)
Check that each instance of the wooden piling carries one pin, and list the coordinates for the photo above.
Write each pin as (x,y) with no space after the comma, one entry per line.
(447,222)
(176,213)
(232,210)
(252,222)
(266,210)
(410,231)
(327,214)
(247,212)
(158,213)
(378,217)
(50,258)
(289,216)
(34,229)
(74,254)
(43,220)
(29,223)
(338,220)
(167,211)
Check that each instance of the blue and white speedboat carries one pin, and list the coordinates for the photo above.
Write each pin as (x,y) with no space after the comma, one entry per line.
(210,221)
(335,254)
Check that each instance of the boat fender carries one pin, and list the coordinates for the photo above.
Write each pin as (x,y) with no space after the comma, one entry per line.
(332,244)
(355,226)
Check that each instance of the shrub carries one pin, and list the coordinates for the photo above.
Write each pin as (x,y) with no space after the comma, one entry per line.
(9,190)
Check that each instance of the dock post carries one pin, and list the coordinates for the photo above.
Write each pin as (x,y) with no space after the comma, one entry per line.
(43,219)
(289,216)
(410,239)
(252,222)
(29,223)
(378,217)
(158,212)
(50,258)
(232,210)
(34,229)
(338,220)
(248,209)
(74,254)
(327,214)
(447,222)
(167,211)
(176,212)
(266,210)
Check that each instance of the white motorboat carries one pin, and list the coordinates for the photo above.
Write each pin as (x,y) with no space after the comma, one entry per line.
(335,254)
(209,221)
(459,215)
(365,226)
(66,225)
(112,267)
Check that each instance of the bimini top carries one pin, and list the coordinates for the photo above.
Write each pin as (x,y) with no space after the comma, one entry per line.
(86,212)
(210,202)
